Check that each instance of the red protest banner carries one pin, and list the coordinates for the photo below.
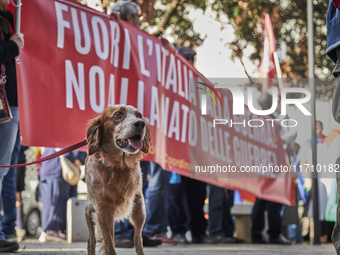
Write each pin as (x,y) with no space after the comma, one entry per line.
(77,61)
(228,149)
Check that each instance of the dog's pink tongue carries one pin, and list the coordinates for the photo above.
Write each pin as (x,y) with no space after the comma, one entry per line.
(136,144)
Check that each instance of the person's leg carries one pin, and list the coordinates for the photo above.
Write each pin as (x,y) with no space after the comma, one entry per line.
(257,217)
(228,223)
(124,228)
(324,231)
(175,209)
(8,134)
(20,186)
(61,193)
(274,219)
(216,210)
(8,194)
(124,234)
(196,195)
(48,205)
(73,191)
(274,222)
(8,197)
(54,216)
(20,213)
(20,220)
(145,167)
(156,215)
(55,193)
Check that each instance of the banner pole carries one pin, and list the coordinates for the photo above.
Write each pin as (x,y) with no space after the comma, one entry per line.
(315,188)
(17,16)
(265,85)
(278,69)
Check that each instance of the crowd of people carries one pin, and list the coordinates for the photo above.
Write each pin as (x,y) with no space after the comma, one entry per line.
(173,201)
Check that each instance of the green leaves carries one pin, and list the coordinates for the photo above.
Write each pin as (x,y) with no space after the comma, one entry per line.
(4,25)
(236,12)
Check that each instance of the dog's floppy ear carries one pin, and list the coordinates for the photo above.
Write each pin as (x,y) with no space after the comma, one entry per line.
(146,140)
(93,135)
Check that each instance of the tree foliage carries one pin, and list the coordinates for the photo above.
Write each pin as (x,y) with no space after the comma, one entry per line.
(169,17)
(289,20)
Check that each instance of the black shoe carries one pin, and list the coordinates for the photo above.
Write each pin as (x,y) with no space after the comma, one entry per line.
(280,240)
(6,246)
(148,242)
(203,239)
(238,240)
(209,240)
(196,239)
(258,241)
(231,240)
(123,242)
(225,239)
(180,238)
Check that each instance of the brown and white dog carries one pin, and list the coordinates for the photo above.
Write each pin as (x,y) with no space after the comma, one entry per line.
(113,176)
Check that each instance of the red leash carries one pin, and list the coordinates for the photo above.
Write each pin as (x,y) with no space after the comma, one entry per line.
(54,155)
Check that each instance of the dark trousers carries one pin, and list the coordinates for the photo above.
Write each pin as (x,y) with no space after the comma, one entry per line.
(156,214)
(220,219)
(177,209)
(274,218)
(196,194)
(193,193)
(54,195)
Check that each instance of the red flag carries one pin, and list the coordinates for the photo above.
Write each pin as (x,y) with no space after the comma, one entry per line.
(267,64)
(247,197)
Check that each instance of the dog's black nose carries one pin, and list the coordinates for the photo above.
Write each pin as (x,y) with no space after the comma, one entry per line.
(139,124)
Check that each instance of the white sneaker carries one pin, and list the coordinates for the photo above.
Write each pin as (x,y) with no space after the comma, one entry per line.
(42,237)
(54,236)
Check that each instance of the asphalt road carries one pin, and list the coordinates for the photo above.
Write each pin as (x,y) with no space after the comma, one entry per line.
(31,247)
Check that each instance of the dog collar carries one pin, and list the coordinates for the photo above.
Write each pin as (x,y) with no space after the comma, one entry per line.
(103,155)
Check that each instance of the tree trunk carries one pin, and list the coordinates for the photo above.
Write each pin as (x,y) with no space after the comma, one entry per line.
(167,15)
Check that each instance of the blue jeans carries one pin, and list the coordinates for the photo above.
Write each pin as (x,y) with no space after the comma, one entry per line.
(156,213)
(220,219)
(124,228)
(8,134)
(8,194)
